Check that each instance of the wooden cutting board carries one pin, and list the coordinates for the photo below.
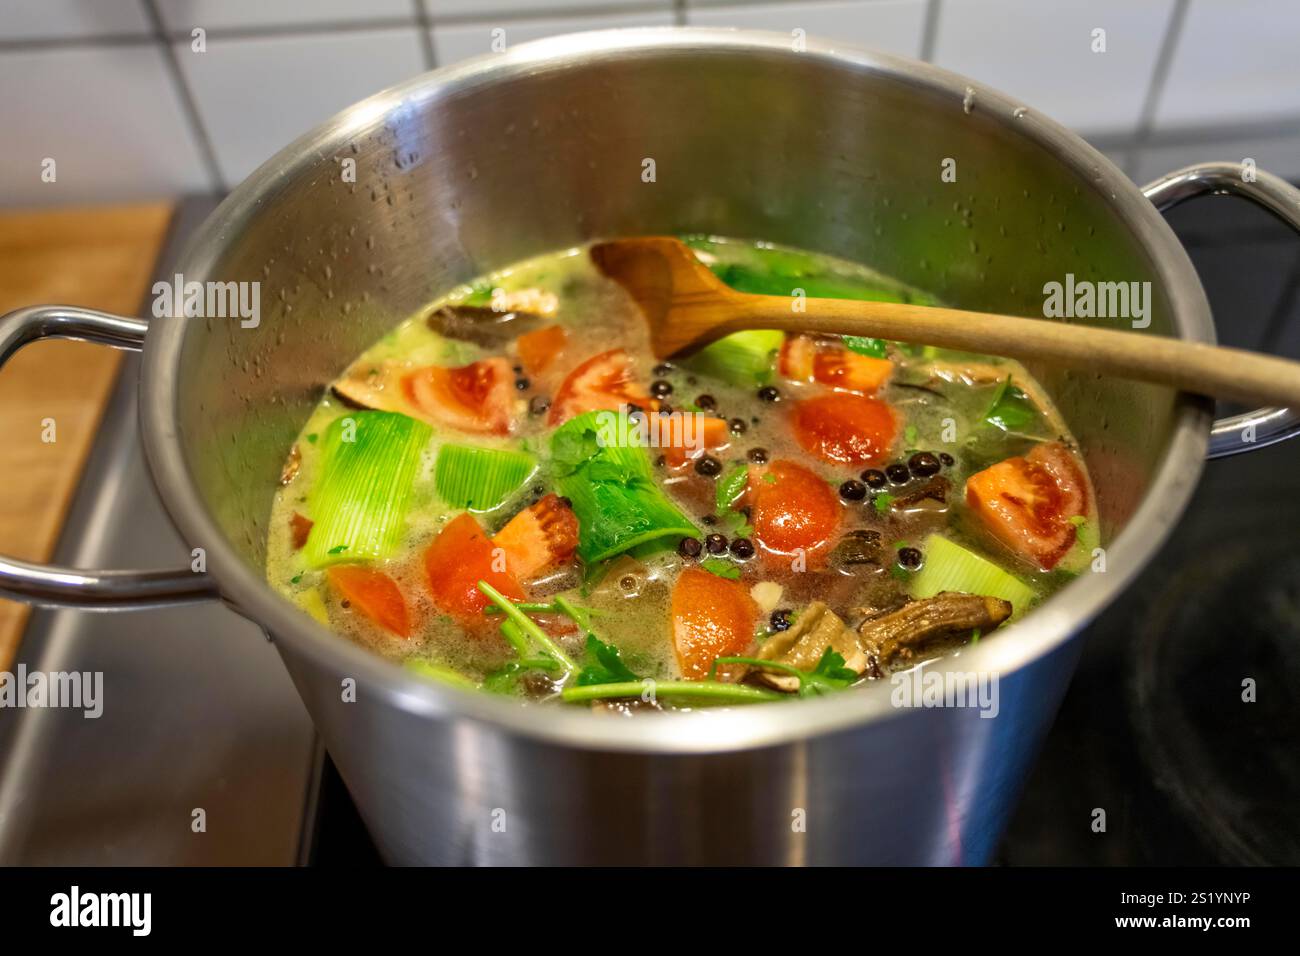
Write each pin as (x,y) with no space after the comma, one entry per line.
(101,257)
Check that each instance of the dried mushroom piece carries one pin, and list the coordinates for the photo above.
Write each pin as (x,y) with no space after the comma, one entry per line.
(946,619)
(487,326)
(368,386)
(816,628)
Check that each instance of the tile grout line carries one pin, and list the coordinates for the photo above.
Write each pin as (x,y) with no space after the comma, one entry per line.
(424,24)
(188,104)
(1159,76)
(930,30)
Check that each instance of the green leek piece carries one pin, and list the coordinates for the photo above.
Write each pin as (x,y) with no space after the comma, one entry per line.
(601,466)
(443,675)
(742,358)
(367,465)
(730,487)
(480,479)
(950,567)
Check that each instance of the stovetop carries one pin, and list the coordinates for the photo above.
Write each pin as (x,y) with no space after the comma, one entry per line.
(1154,730)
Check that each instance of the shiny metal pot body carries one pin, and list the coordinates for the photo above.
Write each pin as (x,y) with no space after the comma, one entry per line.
(664,131)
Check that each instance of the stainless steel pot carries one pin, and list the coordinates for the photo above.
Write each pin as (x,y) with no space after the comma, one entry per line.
(469,168)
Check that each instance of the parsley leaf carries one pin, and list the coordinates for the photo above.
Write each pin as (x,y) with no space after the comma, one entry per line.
(1011,409)
(605,665)
(723,569)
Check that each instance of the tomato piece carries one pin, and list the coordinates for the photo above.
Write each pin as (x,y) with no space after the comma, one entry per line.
(460,557)
(299,528)
(374,594)
(683,438)
(712,618)
(541,536)
(537,350)
(806,358)
(792,510)
(473,398)
(843,428)
(603,382)
(1027,503)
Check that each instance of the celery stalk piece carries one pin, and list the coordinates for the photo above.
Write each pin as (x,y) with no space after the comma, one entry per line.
(602,467)
(480,479)
(367,466)
(950,567)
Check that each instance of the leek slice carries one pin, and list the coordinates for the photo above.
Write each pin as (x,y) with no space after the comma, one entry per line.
(601,466)
(367,466)
(480,479)
(950,567)
(742,358)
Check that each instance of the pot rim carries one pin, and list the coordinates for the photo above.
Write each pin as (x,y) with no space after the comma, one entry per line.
(1048,628)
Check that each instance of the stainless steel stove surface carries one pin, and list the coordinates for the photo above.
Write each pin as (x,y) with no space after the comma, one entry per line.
(1154,730)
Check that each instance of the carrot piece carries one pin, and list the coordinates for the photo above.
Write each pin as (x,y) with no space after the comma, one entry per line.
(374,594)
(460,557)
(712,617)
(299,527)
(537,350)
(843,428)
(793,510)
(541,536)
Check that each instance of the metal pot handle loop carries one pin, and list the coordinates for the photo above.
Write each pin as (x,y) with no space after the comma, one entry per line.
(54,586)
(1262,426)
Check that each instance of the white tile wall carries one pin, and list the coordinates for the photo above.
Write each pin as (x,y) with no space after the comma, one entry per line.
(1041,53)
(1213,79)
(51,19)
(183,15)
(122,136)
(119,126)
(461,41)
(479,9)
(896,26)
(256,95)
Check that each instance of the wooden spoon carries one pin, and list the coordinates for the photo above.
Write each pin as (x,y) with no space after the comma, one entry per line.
(687,307)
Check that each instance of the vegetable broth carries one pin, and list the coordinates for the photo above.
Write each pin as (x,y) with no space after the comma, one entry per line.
(812,435)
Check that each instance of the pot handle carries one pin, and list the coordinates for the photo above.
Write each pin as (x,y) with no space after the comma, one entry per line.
(1262,426)
(54,586)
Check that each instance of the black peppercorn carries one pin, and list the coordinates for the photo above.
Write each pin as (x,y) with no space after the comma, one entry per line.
(706,402)
(523,384)
(716,543)
(924,464)
(661,389)
(947,459)
(662,369)
(769,393)
(737,426)
(853,490)
(709,520)
(708,467)
(909,558)
(689,547)
(780,619)
(757,455)
(742,548)
(898,473)
(874,477)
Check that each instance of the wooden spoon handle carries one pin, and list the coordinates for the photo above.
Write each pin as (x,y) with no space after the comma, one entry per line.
(1191,366)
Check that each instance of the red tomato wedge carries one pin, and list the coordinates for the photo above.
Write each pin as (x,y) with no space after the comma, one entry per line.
(603,382)
(473,398)
(458,559)
(806,358)
(683,438)
(537,350)
(374,594)
(541,536)
(792,511)
(712,618)
(843,428)
(1027,503)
